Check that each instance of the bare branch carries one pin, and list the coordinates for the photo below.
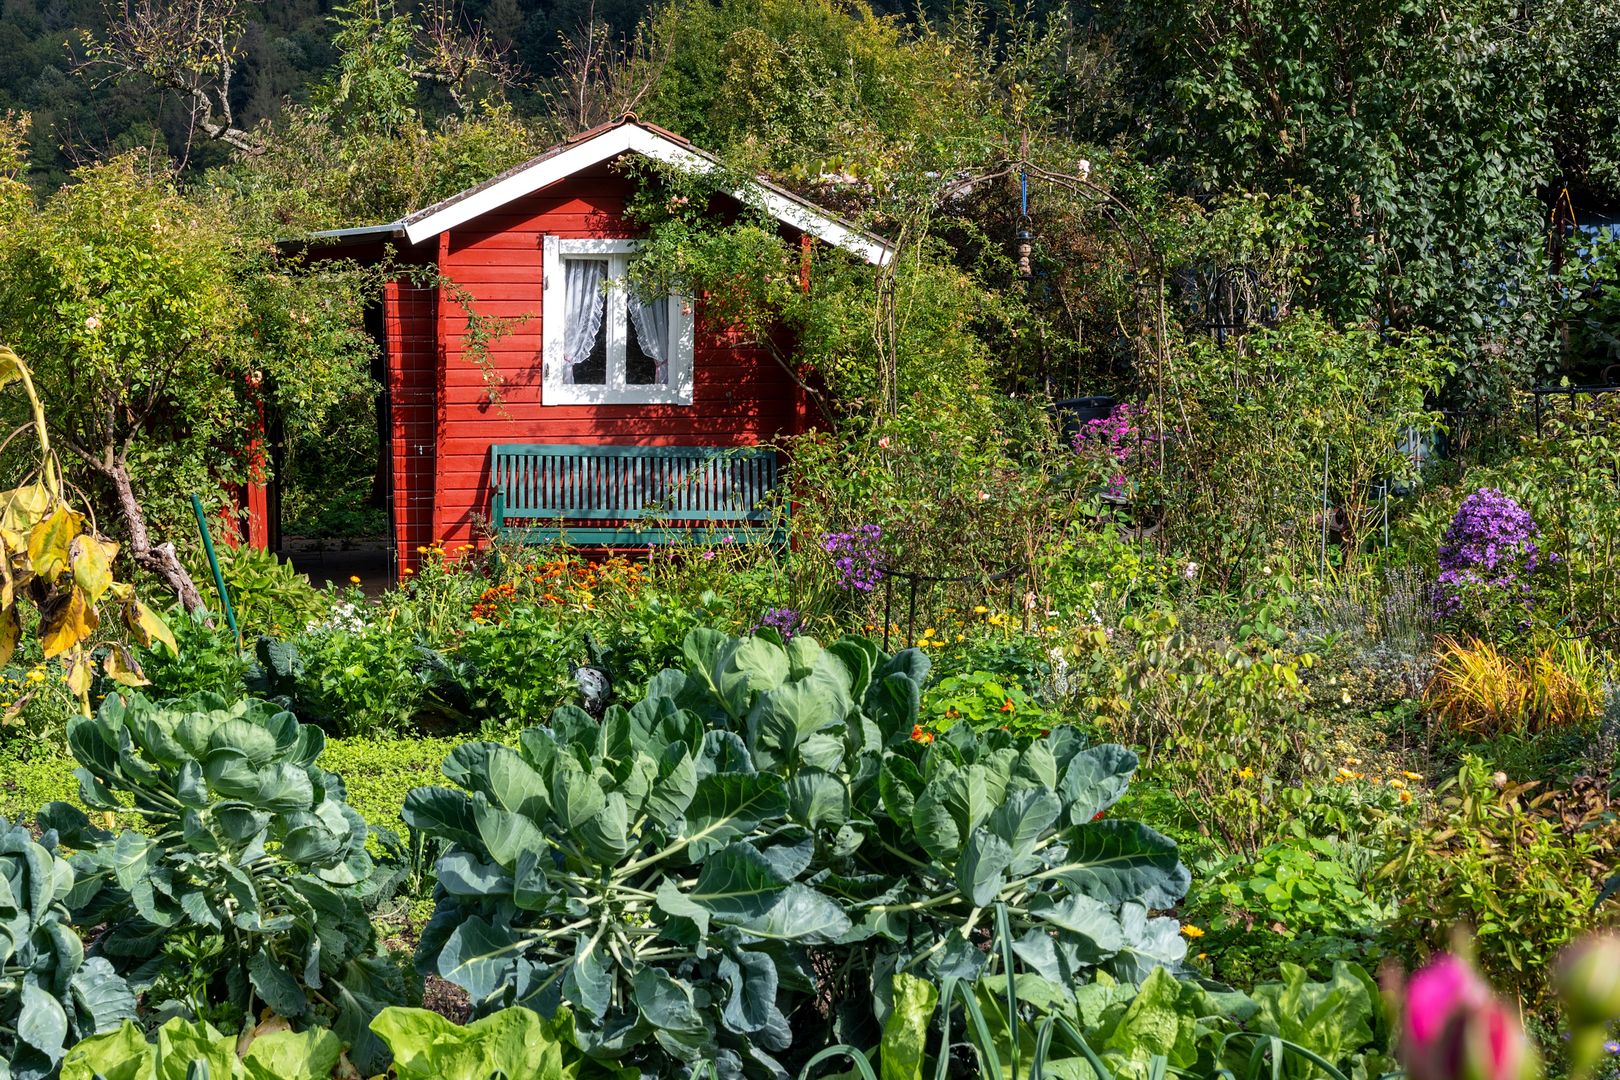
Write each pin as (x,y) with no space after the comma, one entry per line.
(602,78)
(453,51)
(187,47)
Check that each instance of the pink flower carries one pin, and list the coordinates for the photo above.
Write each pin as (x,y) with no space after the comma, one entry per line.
(1437,991)
(1454,1028)
(883,443)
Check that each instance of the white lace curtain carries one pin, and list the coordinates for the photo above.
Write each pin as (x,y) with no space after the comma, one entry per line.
(582,317)
(651,320)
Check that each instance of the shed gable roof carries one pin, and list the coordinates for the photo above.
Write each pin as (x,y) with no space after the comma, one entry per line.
(602,144)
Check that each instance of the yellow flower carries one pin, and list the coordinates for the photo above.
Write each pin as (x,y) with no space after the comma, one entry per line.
(1352,761)
(1191,931)
(1412,775)
(1375,780)
(997,620)
(1346,773)
(1396,784)
(410,570)
(1406,796)
(36,676)
(961,637)
(354,579)
(1245,773)
(980,610)
(420,550)
(928,632)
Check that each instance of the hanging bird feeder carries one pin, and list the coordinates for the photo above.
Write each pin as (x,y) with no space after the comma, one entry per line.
(1025,233)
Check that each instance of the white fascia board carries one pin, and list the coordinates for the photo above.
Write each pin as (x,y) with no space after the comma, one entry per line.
(784,209)
(631,137)
(543,173)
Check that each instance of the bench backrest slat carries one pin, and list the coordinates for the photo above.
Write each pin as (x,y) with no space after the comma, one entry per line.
(698,483)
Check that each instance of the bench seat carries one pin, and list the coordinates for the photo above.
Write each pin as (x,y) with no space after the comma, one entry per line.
(632,496)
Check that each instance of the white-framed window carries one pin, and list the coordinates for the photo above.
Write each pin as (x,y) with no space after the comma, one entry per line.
(603,344)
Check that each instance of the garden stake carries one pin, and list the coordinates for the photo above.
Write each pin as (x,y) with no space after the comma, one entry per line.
(1321,570)
(213,564)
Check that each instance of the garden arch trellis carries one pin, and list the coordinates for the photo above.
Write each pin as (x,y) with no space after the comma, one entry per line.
(1147,263)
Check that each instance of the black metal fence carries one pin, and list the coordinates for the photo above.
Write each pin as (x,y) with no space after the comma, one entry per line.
(922,592)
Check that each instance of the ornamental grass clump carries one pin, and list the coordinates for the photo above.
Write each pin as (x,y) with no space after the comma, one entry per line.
(1486,558)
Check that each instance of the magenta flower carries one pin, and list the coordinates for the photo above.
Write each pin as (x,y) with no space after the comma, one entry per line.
(1454,1028)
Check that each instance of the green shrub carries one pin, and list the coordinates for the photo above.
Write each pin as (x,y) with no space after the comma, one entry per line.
(251,878)
(50,995)
(1493,857)
(763,831)
(267,594)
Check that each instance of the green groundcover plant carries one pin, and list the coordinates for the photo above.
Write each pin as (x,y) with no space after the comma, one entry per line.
(730,870)
(249,880)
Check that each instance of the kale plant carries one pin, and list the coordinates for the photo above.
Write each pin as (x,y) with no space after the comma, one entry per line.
(730,871)
(248,882)
(50,995)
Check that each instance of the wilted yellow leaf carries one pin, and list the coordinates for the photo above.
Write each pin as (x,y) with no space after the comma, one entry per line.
(121,667)
(21,508)
(90,570)
(50,541)
(79,672)
(10,633)
(148,627)
(66,622)
(11,367)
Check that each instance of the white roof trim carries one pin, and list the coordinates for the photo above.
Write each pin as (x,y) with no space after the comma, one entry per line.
(630,137)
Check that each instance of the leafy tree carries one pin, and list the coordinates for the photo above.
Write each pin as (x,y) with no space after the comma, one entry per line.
(154,331)
(1421,131)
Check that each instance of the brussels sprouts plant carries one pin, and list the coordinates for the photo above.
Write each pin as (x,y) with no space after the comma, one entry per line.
(249,878)
(50,995)
(731,870)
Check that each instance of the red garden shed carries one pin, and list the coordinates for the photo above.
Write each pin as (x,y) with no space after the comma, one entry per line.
(609,403)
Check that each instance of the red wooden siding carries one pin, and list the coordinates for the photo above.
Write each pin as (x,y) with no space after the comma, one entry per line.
(409,319)
(741,396)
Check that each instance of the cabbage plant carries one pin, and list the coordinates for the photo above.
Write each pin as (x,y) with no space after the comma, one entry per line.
(50,995)
(248,879)
(731,870)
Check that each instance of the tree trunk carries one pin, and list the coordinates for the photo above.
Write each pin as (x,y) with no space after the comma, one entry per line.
(160,559)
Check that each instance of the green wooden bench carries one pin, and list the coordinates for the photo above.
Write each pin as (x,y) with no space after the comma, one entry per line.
(629,496)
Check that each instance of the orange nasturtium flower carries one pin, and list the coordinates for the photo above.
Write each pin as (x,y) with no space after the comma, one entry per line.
(918,734)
